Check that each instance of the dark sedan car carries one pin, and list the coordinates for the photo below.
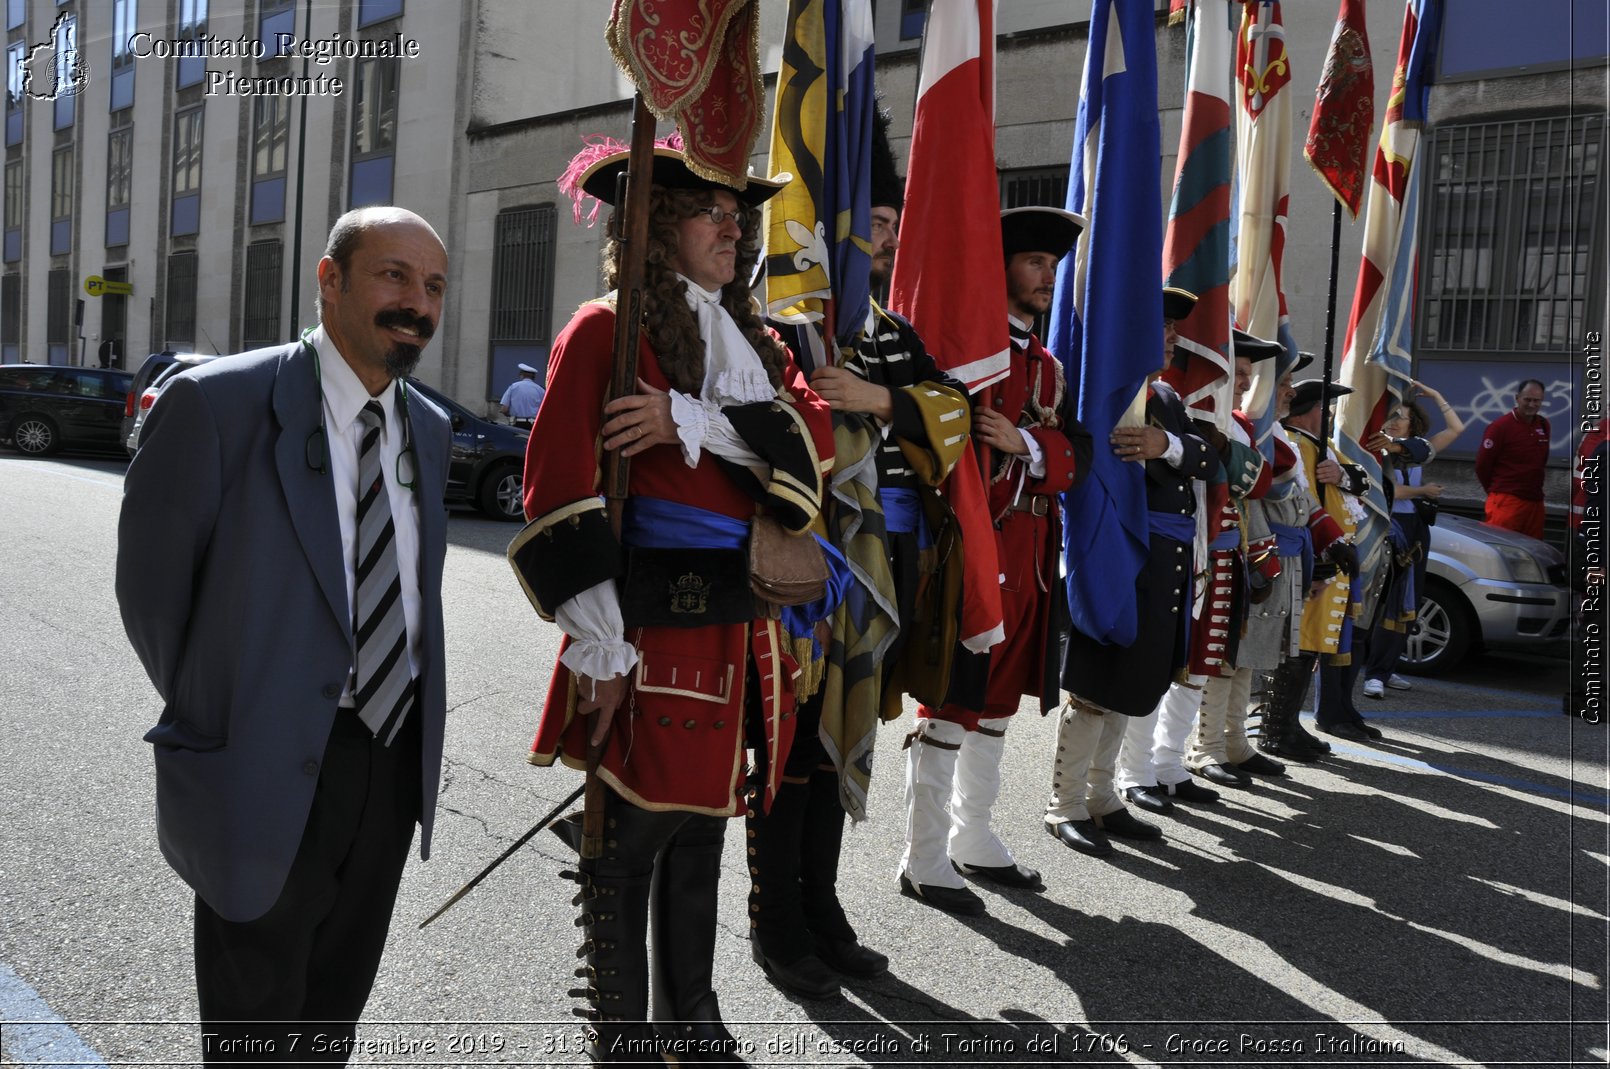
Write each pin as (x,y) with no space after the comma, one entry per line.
(488,460)
(44,408)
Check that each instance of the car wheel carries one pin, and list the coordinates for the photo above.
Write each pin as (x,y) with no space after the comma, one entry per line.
(1442,632)
(502,495)
(35,435)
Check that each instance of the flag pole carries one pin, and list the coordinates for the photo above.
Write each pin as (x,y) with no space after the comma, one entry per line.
(1330,329)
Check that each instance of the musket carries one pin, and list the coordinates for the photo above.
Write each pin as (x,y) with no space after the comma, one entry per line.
(631,231)
(501,858)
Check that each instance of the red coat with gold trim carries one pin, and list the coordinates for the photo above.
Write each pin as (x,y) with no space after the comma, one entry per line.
(678,739)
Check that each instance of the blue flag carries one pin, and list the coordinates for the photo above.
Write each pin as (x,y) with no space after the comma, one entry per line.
(1107,317)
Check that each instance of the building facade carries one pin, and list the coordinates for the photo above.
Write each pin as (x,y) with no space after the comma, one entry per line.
(171,173)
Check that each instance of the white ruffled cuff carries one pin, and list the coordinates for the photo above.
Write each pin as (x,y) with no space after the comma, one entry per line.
(692,424)
(599,660)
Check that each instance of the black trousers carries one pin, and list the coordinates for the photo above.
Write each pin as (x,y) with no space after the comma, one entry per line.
(290,986)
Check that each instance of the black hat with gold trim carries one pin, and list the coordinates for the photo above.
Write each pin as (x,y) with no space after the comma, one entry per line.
(595,170)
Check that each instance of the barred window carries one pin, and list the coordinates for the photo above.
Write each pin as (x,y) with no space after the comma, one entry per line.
(1034,186)
(522,275)
(522,293)
(1509,215)
(10,312)
(58,306)
(180,317)
(262,325)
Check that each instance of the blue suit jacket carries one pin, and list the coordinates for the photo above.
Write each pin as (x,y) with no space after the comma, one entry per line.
(233,592)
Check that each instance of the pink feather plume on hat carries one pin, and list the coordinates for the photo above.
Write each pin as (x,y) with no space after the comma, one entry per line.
(597,147)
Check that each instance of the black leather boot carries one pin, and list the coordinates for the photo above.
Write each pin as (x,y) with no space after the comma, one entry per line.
(780,939)
(820,845)
(615,893)
(687,876)
(1283,733)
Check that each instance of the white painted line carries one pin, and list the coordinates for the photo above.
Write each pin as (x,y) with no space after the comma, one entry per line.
(34,1034)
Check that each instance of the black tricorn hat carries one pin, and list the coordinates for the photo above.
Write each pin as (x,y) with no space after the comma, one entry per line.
(888,187)
(1036,228)
(1254,348)
(1303,360)
(671,171)
(1307,395)
(1177,302)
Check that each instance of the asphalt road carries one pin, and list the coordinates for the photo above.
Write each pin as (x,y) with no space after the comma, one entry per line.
(1440,898)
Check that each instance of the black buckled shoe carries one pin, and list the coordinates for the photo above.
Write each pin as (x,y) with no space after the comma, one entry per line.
(1259,765)
(850,957)
(958,900)
(808,977)
(1126,825)
(1224,776)
(1081,835)
(1014,875)
(1186,791)
(1148,798)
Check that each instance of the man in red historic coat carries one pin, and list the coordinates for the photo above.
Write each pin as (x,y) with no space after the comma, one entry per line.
(1035,450)
(666,658)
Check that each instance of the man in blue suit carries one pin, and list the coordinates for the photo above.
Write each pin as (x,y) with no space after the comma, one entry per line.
(279,572)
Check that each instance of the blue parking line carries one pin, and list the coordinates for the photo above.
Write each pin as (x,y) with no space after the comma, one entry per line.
(1598,801)
(1461,714)
(35,1034)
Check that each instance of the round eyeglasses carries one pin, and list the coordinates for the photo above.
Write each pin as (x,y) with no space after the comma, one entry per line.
(718,215)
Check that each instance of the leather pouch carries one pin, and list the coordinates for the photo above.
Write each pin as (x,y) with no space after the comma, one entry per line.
(784,569)
(685,588)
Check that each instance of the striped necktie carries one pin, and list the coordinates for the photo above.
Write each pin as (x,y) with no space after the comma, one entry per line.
(383,685)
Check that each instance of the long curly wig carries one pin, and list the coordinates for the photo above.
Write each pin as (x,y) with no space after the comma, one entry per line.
(672,328)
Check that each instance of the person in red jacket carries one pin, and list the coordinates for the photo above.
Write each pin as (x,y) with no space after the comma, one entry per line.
(1036,450)
(667,662)
(1510,463)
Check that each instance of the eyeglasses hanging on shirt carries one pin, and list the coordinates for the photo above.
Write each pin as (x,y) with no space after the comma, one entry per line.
(317,448)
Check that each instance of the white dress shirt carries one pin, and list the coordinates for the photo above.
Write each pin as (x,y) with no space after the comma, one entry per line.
(344,398)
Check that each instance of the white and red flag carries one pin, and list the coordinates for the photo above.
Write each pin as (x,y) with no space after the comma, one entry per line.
(948,274)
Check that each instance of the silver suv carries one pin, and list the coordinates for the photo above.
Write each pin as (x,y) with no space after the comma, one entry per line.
(1486,586)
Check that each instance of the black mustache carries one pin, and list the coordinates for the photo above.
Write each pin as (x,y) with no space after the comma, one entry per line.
(399,318)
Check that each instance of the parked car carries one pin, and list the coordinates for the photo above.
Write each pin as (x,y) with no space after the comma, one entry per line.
(165,369)
(1486,587)
(141,394)
(44,408)
(487,469)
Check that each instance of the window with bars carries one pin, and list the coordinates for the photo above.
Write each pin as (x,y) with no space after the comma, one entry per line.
(522,292)
(58,306)
(1511,222)
(262,320)
(1040,186)
(10,316)
(179,317)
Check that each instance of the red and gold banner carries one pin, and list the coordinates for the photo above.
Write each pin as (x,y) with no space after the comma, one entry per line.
(697,63)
